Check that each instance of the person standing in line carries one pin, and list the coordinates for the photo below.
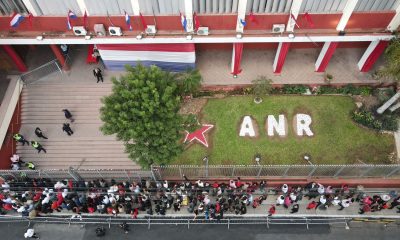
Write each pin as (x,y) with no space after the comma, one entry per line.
(66,128)
(38,146)
(98,75)
(30,165)
(30,233)
(68,115)
(19,138)
(39,133)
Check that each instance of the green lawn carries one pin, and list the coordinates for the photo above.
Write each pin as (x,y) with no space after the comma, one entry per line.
(337,139)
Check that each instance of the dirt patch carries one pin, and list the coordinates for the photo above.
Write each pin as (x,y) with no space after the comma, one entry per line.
(193,106)
(369,102)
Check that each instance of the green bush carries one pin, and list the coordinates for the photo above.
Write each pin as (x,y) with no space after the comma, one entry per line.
(366,118)
(294,89)
(327,90)
(349,89)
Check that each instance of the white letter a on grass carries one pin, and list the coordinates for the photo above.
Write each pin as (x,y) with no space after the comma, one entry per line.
(247,128)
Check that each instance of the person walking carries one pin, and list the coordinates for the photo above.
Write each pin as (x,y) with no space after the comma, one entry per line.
(30,233)
(19,138)
(66,128)
(39,133)
(98,75)
(38,146)
(68,115)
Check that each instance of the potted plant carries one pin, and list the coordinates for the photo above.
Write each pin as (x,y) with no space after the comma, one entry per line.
(328,78)
(261,86)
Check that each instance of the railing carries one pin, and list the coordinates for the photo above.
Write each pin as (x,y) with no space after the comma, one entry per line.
(186,221)
(41,72)
(77,175)
(276,171)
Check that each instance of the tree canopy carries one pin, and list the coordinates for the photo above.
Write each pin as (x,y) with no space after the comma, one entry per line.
(391,69)
(143,112)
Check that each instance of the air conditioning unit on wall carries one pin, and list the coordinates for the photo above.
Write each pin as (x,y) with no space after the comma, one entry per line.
(151,30)
(79,30)
(203,31)
(278,28)
(115,31)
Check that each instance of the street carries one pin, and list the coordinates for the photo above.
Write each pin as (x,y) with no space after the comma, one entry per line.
(168,232)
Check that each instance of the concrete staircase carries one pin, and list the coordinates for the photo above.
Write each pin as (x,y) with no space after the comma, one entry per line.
(87,148)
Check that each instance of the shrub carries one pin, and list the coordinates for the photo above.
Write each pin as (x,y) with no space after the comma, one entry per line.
(366,118)
(294,89)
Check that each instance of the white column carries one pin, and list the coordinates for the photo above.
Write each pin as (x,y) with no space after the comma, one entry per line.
(278,51)
(367,53)
(394,24)
(189,15)
(82,7)
(241,15)
(322,55)
(295,9)
(135,7)
(347,11)
(30,7)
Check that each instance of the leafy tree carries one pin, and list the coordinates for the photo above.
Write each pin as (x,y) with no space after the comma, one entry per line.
(189,82)
(391,69)
(261,87)
(143,112)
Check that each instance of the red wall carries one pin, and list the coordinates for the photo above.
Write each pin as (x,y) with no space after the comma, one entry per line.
(214,22)
(229,46)
(9,145)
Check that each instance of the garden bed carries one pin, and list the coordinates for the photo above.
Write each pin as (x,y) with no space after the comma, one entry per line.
(337,139)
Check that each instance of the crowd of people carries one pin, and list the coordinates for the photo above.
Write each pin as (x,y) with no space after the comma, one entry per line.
(37,197)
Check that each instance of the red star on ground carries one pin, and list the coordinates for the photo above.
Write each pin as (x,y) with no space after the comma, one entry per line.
(199,134)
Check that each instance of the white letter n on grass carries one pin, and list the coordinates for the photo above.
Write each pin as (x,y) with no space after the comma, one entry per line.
(247,127)
(303,122)
(278,126)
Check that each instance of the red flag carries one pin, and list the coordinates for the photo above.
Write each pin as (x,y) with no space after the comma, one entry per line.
(196,21)
(30,18)
(294,19)
(309,20)
(144,24)
(85,19)
(253,18)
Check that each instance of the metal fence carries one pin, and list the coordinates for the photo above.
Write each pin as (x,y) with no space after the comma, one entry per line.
(185,221)
(276,171)
(215,172)
(41,72)
(77,175)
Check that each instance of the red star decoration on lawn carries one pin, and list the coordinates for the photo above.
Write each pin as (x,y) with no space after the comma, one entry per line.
(199,134)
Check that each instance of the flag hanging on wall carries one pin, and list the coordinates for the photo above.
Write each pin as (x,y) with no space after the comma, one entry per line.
(128,21)
(309,20)
(293,19)
(196,21)
(183,22)
(71,15)
(16,19)
(30,18)
(85,19)
(144,24)
(253,18)
(243,22)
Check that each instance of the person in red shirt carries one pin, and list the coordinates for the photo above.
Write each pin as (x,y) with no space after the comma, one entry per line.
(271,211)
(311,205)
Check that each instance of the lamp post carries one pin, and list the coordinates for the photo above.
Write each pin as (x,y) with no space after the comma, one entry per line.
(205,160)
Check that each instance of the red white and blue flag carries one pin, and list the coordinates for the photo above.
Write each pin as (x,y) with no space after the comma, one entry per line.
(243,22)
(128,21)
(16,19)
(71,15)
(183,22)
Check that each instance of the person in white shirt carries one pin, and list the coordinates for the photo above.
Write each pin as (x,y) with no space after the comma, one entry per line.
(285,188)
(336,201)
(30,233)
(345,203)
(280,200)
(321,189)
(293,197)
